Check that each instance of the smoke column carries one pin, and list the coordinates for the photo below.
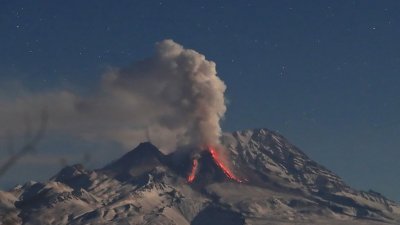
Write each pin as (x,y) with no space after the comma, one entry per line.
(175,96)
(184,85)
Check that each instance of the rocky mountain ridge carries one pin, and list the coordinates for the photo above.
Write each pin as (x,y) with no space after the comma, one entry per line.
(282,186)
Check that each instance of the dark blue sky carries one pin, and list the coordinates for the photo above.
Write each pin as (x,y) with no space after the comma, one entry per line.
(325,74)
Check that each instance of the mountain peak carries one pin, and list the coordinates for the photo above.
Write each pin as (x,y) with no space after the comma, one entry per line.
(69,172)
(148,147)
(145,186)
(144,157)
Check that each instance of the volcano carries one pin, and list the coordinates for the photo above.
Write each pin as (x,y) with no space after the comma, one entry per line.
(267,181)
(211,167)
(203,168)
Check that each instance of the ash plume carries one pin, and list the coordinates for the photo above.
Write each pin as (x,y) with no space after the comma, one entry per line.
(174,96)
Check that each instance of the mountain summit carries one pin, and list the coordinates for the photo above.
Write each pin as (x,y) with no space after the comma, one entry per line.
(281,185)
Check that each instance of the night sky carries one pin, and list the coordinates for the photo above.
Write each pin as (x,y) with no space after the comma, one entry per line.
(325,74)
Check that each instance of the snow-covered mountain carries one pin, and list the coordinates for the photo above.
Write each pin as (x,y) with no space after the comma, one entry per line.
(281,186)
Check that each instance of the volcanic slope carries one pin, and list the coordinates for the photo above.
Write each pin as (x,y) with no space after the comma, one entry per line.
(280,185)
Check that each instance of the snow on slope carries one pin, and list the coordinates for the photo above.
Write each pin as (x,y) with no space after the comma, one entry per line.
(283,186)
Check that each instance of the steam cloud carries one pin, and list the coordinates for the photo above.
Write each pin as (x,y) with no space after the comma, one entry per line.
(175,97)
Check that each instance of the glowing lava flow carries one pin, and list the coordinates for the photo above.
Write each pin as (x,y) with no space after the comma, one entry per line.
(224,168)
(192,174)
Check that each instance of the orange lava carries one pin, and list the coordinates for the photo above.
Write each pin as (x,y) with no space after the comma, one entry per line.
(192,174)
(224,168)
